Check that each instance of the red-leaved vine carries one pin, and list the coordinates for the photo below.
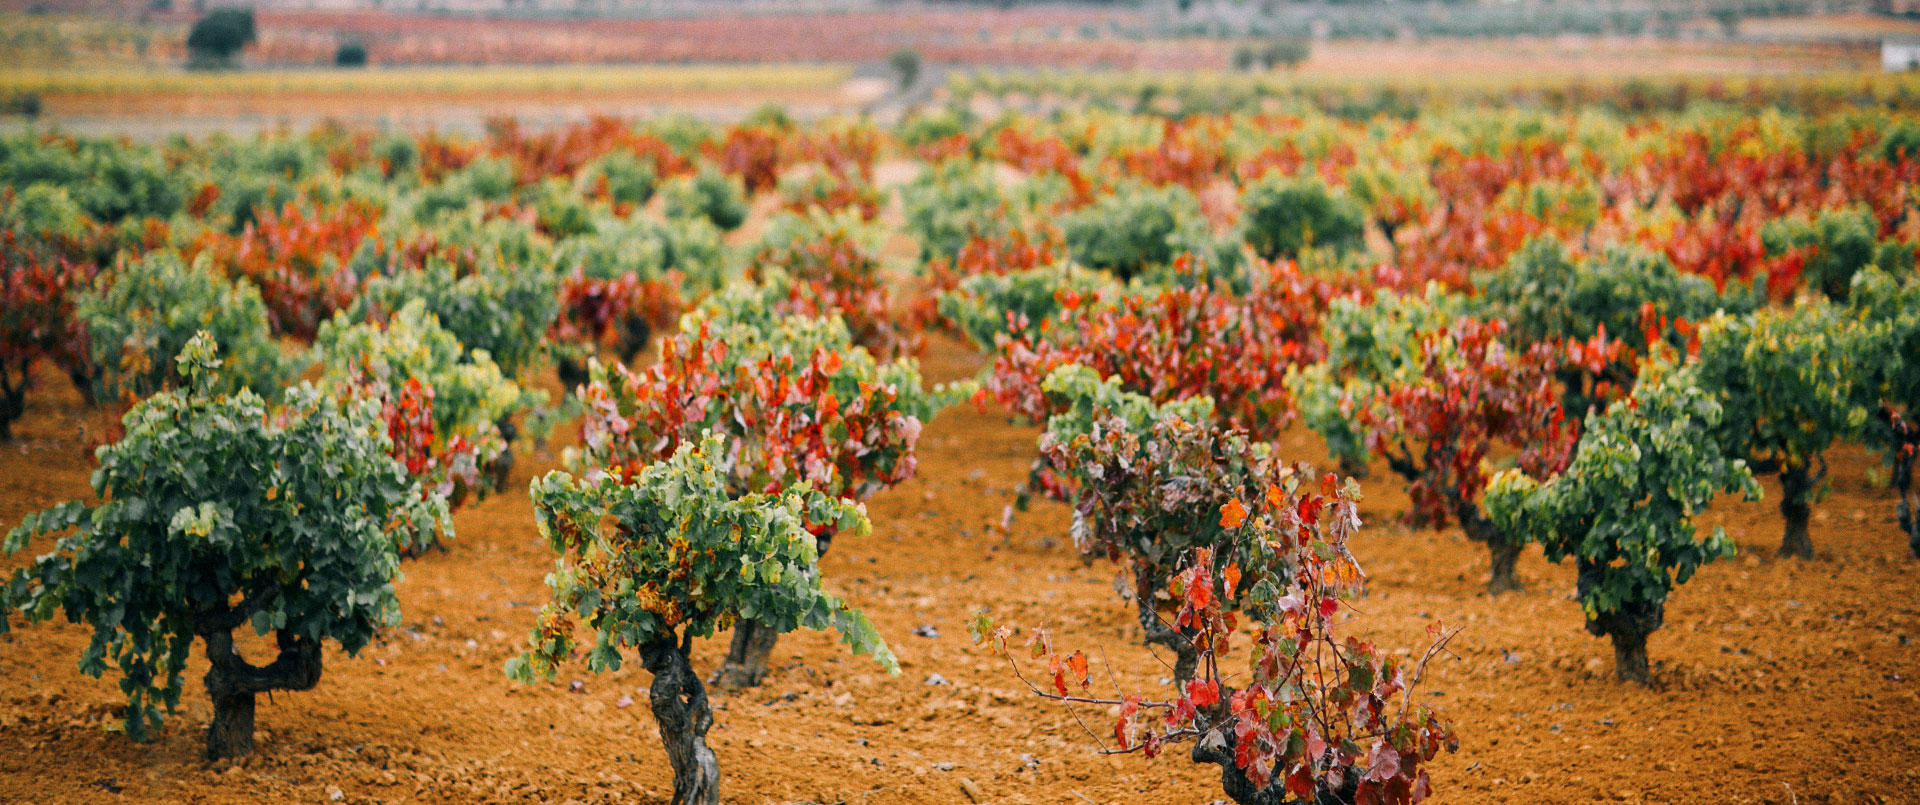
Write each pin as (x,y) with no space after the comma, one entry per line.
(1315,714)
(1435,425)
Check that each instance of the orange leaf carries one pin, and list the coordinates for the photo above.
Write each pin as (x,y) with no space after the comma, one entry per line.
(1078,662)
(1233,514)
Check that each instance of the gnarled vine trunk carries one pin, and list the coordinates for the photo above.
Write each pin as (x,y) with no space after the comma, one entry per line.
(1908,510)
(1236,785)
(1796,495)
(573,374)
(680,707)
(1628,626)
(82,377)
(232,684)
(502,467)
(1503,554)
(635,332)
(13,397)
(748,655)
(1907,454)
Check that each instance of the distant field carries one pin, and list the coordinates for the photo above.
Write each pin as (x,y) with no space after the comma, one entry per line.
(438,80)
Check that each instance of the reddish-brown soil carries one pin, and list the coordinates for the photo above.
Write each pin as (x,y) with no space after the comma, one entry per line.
(1777,681)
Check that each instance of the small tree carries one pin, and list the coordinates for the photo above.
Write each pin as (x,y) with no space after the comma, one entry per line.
(951,204)
(1544,294)
(622,177)
(218,512)
(298,258)
(823,265)
(350,54)
(1316,716)
(1146,483)
(1367,345)
(217,37)
(1835,245)
(492,305)
(1289,52)
(1786,380)
(753,151)
(1245,57)
(906,64)
(652,560)
(1624,508)
(985,306)
(1174,344)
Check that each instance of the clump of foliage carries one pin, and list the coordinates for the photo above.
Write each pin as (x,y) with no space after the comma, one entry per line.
(1835,244)
(503,309)
(1283,216)
(1544,294)
(298,258)
(142,312)
(708,194)
(1139,229)
(753,151)
(653,559)
(1146,482)
(1172,344)
(826,265)
(906,64)
(622,177)
(985,307)
(465,396)
(220,511)
(832,192)
(949,205)
(1624,508)
(350,54)
(110,180)
(1368,344)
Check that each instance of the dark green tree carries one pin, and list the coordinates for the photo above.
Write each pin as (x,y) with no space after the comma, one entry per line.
(219,36)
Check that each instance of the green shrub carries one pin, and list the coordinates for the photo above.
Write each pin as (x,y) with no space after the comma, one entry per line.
(1139,228)
(1624,508)
(218,511)
(623,544)
(628,178)
(500,308)
(710,195)
(1282,217)
(949,204)
(1837,243)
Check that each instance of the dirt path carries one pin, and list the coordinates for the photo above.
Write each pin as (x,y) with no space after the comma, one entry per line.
(1779,681)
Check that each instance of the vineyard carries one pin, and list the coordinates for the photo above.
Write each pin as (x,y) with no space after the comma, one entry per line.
(1144,441)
